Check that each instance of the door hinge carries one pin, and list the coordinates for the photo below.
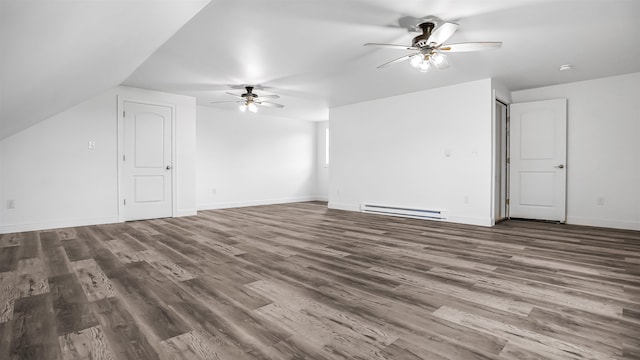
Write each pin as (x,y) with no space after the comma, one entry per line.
(508,160)
(507,201)
(123,157)
(125,202)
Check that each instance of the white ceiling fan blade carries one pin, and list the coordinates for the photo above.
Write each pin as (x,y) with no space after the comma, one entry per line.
(404,58)
(222,102)
(232,94)
(391,46)
(273,96)
(442,33)
(471,46)
(270,104)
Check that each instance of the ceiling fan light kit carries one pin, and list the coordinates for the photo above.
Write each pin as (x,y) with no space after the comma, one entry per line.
(250,106)
(430,49)
(424,62)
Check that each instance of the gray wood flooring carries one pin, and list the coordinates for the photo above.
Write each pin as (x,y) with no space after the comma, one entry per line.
(298,281)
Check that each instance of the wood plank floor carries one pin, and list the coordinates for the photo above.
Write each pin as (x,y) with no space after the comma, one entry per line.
(298,281)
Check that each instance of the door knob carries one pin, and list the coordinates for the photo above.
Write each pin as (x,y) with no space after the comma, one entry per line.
(168,167)
(561,166)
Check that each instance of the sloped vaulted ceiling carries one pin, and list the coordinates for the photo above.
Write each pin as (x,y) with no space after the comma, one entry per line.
(56,54)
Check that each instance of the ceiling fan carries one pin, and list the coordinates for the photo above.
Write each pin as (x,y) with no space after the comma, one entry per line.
(430,50)
(250,100)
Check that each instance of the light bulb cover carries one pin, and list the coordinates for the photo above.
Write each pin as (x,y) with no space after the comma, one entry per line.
(416,60)
(425,66)
(252,107)
(439,60)
(243,107)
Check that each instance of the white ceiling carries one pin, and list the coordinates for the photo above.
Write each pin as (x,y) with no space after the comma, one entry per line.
(310,51)
(55,54)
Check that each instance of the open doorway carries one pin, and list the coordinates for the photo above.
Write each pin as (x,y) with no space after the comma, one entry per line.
(501,191)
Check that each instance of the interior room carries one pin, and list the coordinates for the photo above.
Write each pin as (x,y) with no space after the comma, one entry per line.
(320,179)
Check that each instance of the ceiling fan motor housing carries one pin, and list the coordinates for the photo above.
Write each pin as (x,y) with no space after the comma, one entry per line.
(420,41)
(249,95)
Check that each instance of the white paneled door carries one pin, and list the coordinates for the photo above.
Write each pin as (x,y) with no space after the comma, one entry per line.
(538,154)
(147,169)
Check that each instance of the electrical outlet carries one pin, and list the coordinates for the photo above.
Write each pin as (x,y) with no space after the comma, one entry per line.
(11,204)
(600,200)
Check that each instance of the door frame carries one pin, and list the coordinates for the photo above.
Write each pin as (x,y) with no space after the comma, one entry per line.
(120,129)
(496,167)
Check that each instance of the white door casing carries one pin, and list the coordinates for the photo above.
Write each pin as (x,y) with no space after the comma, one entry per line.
(146,161)
(538,154)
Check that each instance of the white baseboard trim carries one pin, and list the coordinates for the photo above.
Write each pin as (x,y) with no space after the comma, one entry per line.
(343,206)
(57,224)
(607,223)
(471,221)
(186,212)
(235,204)
(453,219)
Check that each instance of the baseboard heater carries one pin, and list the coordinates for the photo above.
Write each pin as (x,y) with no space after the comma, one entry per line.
(404,212)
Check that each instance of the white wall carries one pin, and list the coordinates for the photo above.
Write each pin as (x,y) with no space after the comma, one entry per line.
(56,181)
(252,159)
(429,149)
(603,148)
(502,92)
(322,182)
